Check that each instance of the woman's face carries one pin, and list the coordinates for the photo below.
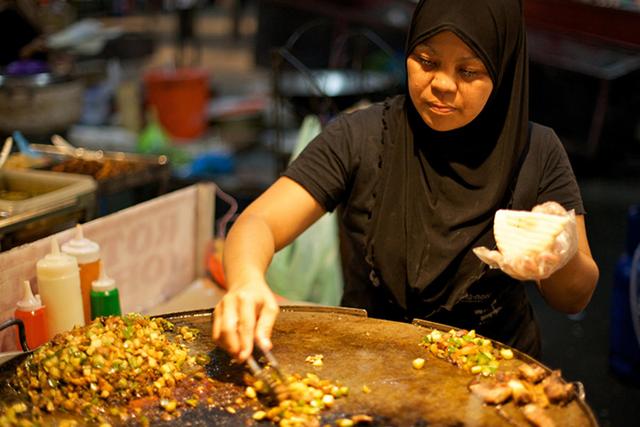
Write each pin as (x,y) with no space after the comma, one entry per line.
(448,84)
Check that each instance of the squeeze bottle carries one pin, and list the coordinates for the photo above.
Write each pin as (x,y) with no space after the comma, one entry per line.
(105,300)
(59,285)
(87,253)
(32,313)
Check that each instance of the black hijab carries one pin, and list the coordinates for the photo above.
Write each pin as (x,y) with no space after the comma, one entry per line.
(438,191)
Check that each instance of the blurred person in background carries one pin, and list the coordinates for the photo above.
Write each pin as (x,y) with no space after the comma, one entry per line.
(20,31)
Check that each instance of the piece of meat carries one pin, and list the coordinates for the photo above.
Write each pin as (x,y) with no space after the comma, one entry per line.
(492,393)
(521,394)
(557,390)
(537,416)
(532,372)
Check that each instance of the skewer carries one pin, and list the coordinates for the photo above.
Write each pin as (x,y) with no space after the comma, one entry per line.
(6,149)
(63,144)
(67,148)
(24,145)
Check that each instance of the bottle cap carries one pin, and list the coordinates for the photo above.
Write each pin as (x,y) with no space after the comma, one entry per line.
(28,301)
(104,283)
(56,264)
(83,249)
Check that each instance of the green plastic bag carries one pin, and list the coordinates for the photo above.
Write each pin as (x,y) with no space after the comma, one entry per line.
(309,269)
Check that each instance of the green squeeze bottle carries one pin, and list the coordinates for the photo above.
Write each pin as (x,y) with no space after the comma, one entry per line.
(105,300)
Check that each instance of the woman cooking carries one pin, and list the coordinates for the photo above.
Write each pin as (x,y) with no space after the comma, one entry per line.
(417,181)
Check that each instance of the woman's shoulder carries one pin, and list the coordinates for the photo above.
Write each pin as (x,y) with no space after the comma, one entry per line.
(546,173)
(545,146)
(544,137)
(555,177)
(367,116)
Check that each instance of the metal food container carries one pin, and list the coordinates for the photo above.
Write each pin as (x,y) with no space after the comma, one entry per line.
(123,179)
(39,104)
(34,204)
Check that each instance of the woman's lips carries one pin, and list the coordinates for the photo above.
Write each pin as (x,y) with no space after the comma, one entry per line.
(440,108)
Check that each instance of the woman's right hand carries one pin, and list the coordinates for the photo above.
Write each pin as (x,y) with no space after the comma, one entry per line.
(245,315)
(248,311)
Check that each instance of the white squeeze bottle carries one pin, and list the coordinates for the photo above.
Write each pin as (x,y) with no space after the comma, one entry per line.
(59,286)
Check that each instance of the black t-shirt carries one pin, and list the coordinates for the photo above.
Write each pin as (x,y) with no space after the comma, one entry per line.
(339,168)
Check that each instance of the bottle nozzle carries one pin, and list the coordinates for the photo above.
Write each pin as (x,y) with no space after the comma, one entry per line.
(28,301)
(55,249)
(79,234)
(27,290)
(104,283)
(103,271)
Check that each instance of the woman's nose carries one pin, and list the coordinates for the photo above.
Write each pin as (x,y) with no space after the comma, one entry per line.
(442,82)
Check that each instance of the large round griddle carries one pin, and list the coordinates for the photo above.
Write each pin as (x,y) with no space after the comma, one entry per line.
(358,351)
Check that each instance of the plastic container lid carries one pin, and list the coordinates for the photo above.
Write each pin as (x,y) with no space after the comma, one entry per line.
(104,283)
(56,264)
(83,249)
(28,301)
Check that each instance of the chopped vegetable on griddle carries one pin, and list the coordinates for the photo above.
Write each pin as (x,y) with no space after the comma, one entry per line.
(100,368)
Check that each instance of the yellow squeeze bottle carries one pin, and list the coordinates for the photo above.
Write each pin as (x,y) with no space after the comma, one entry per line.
(59,286)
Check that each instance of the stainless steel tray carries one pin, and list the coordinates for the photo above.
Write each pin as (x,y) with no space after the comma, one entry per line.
(52,201)
(41,190)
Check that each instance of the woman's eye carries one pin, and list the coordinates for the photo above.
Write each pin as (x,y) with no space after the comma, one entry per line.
(427,62)
(468,74)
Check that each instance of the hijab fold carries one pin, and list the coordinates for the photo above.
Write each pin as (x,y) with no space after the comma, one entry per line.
(438,191)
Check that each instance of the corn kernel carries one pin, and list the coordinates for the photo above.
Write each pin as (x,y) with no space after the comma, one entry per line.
(418,363)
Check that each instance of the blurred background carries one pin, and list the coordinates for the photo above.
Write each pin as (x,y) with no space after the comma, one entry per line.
(148,96)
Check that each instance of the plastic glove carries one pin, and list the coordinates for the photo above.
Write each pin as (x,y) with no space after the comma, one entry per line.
(537,265)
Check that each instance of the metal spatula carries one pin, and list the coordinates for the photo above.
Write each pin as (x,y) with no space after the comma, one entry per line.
(269,373)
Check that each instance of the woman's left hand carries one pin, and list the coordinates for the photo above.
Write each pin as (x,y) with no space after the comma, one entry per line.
(542,264)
